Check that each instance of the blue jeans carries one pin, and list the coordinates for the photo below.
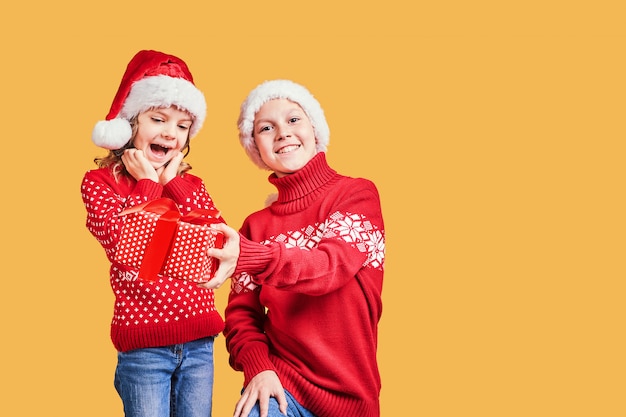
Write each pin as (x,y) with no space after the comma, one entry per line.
(294,409)
(170,381)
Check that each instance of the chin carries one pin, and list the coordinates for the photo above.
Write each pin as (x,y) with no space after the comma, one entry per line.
(158,165)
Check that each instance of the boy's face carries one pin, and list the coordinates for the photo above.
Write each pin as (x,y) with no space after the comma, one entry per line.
(160,132)
(284,135)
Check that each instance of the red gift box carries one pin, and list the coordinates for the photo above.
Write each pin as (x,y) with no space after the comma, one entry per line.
(157,239)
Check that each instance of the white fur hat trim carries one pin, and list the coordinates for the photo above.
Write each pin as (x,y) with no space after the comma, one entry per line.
(270,90)
(158,91)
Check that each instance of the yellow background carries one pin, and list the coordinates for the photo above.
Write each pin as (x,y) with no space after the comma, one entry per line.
(493,129)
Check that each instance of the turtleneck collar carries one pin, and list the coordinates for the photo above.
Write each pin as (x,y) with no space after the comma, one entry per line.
(303,186)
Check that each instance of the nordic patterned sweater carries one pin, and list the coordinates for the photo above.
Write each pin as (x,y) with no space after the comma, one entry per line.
(305,298)
(148,314)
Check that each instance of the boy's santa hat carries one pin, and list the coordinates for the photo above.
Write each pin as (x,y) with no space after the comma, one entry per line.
(152,80)
(270,90)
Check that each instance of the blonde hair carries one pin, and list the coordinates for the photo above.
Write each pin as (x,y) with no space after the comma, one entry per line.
(113,159)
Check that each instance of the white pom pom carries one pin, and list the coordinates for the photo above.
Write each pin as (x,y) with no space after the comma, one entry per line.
(112,134)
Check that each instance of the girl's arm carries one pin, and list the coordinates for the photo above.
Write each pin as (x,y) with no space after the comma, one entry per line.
(189,192)
(104,199)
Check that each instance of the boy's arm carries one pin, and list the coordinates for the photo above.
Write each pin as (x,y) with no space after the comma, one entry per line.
(245,338)
(350,239)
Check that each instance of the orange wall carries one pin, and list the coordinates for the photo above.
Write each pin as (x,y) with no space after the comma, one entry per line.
(494,133)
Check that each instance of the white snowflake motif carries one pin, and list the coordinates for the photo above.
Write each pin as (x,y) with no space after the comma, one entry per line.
(242,283)
(351,228)
(308,238)
(375,249)
(354,229)
(295,239)
(358,231)
(128,275)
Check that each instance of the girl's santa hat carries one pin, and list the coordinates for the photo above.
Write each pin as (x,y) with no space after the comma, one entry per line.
(270,90)
(152,80)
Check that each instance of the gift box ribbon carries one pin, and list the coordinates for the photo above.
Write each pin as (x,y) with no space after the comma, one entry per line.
(160,245)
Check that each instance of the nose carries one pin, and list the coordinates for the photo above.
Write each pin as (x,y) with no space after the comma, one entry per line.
(283,132)
(169,131)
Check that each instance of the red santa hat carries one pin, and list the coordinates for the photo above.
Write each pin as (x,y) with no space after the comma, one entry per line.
(152,80)
(273,89)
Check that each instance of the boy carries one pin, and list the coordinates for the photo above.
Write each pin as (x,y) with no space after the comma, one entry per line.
(307,271)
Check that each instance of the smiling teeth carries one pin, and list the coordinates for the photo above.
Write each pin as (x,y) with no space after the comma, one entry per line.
(160,148)
(288,148)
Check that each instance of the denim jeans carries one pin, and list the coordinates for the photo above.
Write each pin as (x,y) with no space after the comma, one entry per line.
(294,409)
(170,381)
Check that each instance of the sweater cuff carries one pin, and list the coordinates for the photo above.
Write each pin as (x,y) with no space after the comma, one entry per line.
(255,360)
(254,258)
(149,189)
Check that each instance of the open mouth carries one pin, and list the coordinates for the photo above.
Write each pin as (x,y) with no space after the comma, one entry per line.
(159,150)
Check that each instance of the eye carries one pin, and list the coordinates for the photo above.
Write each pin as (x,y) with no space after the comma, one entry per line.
(294,119)
(184,127)
(157,119)
(264,129)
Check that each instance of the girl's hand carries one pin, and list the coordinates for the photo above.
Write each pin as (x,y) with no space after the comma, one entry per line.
(138,165)
(227,256)
(168,172)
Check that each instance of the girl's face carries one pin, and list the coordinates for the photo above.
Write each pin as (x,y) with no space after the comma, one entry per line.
(160,132)
(284,135)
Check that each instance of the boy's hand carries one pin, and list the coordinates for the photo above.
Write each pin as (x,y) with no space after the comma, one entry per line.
(227,256)
(264,385)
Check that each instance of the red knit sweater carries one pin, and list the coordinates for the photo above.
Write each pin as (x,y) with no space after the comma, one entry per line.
(148,314)
(306,301)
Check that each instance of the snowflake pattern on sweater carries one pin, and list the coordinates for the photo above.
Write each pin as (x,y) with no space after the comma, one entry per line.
(354,229)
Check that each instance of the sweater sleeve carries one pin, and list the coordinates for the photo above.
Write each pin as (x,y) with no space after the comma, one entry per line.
(351,238)
(105,198)
(246,341)
(189,192)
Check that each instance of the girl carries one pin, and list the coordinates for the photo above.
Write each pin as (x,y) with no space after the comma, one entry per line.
(163,330)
